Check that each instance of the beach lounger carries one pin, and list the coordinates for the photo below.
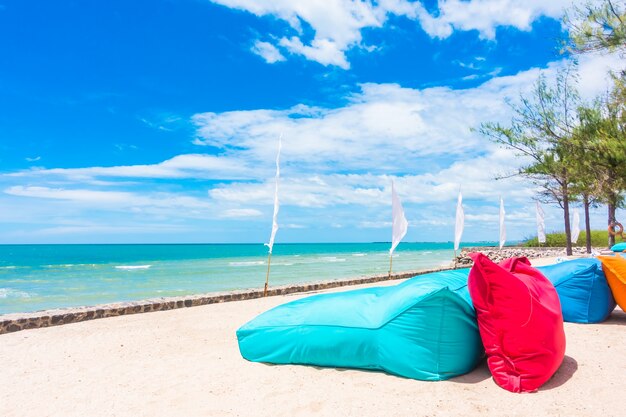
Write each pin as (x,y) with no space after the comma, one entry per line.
(424,328)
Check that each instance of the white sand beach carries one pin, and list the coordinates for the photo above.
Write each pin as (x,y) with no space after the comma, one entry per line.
(186,362)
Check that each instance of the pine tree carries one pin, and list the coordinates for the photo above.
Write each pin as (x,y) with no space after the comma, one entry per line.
(542,132)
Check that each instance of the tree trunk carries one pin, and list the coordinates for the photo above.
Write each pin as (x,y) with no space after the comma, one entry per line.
(568,231)
(612,203)
(587,223)
(611,207)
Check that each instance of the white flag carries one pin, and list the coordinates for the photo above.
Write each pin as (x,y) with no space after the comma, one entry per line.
(399,223)
(460,222)
(541,225)
(502,227)
(276,204)
(575,227)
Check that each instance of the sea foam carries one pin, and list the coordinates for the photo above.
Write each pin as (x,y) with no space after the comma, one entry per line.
(131,267)
(9,292)
(332,259)
(248,263)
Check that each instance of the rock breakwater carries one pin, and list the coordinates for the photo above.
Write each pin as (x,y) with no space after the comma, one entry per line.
(498,255)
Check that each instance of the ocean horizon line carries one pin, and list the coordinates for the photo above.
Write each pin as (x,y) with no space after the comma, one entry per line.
(254,244)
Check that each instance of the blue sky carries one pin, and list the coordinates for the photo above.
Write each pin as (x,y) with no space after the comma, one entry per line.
(157,121)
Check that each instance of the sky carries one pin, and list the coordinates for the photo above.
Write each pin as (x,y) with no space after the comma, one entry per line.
(158,121)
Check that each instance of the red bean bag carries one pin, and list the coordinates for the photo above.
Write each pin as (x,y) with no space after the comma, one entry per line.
(520,322)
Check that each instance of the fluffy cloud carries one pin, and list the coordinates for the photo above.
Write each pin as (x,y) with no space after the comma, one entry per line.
(267,51)
(337,163)
(140,203)
(397,126)
(475,176)
(338,24)
(240,213)
(487,15)
(78,195)
(178,167)
(384,129)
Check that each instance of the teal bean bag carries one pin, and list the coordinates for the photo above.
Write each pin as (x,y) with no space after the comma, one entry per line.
(424,328)
(619,247)
(583,290)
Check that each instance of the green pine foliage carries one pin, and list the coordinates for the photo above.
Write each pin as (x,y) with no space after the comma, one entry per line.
(597,26)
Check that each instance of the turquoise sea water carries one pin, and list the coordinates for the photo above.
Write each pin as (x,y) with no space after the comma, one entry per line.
(38,277)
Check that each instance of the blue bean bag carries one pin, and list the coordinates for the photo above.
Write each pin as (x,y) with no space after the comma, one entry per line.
(619,247)
(583,291)
(424,328)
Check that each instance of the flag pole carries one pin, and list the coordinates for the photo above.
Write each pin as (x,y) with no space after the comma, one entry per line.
(390,263)
(267,276)
(270,245)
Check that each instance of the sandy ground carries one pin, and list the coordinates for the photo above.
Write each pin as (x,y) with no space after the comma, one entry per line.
(186,362)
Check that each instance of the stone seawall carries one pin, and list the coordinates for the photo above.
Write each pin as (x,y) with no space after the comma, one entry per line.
(22,321)
(496,255)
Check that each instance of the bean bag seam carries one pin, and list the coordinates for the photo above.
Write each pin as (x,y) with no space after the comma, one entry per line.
(439,336)
(461,299)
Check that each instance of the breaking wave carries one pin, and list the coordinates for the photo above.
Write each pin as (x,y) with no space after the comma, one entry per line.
(11,293)
(248,263)
(132,267)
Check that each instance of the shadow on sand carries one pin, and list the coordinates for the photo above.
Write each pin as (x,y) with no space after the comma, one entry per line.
(479,374)
(565,372)
(617,318)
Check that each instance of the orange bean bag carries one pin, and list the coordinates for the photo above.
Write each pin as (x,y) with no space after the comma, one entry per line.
(615,270)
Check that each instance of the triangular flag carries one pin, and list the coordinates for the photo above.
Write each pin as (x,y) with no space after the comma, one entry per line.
(541,225)
(460,222)
(270,245)
(575,227)
(399,223)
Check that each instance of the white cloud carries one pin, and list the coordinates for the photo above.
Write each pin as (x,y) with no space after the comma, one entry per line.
(317,191)
(96,197)
(337,163)
(267,51)
(474,175)
(592,69)
(374,225)
(324,51)
(293,226)
(338,24)
(383,129)
(181,166)
(487,15)
(396,124)
(107,229)
(147,203)
(241,213)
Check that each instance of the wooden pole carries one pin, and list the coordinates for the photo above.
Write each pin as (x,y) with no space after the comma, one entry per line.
(455,259)
(390,264)
(267,276)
